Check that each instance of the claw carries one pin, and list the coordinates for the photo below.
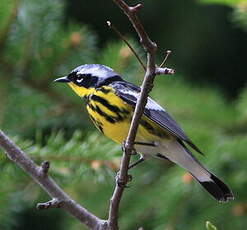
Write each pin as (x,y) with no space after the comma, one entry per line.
(122,183)
(133,152)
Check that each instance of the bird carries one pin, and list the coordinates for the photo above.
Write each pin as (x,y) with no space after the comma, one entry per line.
(110,102)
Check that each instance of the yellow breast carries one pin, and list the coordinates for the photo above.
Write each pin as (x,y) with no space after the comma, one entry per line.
(112,116)
(109,113)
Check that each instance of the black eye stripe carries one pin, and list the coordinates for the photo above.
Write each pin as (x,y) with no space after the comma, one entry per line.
(88,80)
(85,80)
(84,75)
(74,76)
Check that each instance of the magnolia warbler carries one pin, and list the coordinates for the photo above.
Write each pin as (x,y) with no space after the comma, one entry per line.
(110,102)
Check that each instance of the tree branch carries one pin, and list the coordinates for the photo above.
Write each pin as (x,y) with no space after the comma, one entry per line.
(151,70)
(39,175)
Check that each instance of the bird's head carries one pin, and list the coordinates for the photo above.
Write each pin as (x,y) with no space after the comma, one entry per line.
(89,76)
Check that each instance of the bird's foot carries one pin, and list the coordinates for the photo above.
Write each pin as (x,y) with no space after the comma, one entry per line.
(122,182)
(133,151)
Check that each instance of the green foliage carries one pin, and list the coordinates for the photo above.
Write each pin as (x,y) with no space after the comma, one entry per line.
(85,166)
(36,47)
(240,15)
(71,161)
(47,121)
(226,2)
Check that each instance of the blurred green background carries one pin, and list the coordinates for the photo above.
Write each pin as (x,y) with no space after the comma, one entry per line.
(43,39)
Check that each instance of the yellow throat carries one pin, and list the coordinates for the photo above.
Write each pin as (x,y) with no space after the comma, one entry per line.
(79,90)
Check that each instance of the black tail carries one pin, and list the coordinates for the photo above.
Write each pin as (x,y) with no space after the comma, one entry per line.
(218,189)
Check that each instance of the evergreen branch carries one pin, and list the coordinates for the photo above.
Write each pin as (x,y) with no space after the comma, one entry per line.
(4,32)
(151,70)
(3,96)
(59,197)
(70,47)
(53,95)
(76,160)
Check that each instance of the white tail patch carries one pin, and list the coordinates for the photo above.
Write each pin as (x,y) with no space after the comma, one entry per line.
(176,153)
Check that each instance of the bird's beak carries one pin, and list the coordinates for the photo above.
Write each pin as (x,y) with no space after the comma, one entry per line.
(62,79)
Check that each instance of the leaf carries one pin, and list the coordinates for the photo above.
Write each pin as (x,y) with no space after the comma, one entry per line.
(210,226)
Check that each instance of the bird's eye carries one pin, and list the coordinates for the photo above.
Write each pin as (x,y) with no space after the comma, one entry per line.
(79,79)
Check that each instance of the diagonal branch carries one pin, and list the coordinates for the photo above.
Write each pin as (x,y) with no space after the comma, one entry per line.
(39,175)
(147,85)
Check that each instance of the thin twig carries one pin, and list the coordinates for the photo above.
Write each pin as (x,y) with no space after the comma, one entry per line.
(167,54)
(54,203)
(5,30)
(126,42)
(164,70)
(131,11)
(48,185)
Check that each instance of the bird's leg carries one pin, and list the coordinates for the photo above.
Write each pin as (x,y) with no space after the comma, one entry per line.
(133,151)
(141,159)
(152,144)
(121,183)
(159,155)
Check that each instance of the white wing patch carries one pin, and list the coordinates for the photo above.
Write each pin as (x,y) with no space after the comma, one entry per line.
(151,104)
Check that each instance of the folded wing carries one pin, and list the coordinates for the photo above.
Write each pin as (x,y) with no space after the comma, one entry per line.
(153,111)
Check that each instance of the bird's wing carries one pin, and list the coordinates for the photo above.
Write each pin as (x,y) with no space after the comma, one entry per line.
(129,94)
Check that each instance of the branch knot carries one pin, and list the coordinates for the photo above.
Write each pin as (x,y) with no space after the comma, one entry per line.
(54,203)
(159,71)
(134,9)
(44,168)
